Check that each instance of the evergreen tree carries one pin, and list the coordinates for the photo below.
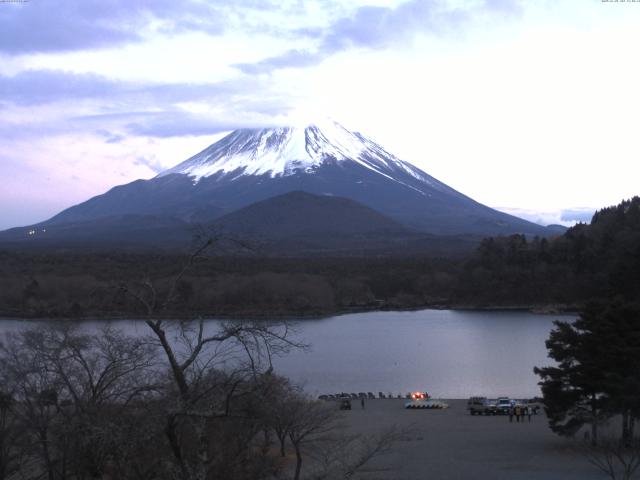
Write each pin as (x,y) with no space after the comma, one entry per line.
(617,327)
(598,370)
(572,390)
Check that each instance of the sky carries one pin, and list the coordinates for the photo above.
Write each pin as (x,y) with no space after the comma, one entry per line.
(528,107)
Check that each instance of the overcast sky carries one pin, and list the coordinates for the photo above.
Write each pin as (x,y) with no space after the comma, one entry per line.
(530,107)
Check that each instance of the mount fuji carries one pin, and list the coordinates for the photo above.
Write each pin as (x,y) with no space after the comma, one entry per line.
(253,165)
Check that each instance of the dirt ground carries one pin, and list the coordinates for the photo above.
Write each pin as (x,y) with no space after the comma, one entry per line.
(451,444)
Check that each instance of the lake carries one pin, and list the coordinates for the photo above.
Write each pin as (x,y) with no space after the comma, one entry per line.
(448,353)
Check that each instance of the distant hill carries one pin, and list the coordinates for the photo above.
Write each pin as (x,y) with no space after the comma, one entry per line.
(300,223)
(302,214)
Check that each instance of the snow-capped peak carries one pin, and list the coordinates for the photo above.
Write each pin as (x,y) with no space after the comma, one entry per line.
(289,150)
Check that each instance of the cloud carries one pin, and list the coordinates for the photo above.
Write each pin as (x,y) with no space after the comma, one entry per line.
(151,162)
(177,124)
(375,27)
(40,86)
(378,27)
(577,215)
(64,25)
(509,7)
(289,59)
(109,136)
(34,87)
(110,108)
(566,217)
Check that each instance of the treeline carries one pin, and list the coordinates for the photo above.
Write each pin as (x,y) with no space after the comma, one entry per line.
(587,262)
(596,261)
(69,285)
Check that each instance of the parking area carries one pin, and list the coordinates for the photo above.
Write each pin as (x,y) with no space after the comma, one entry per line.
(452,444)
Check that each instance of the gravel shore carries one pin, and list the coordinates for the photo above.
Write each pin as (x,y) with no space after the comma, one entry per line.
(451,444)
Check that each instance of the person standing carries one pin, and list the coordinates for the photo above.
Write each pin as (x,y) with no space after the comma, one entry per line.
(362,402)
(510,414)
(529,413)
(518,413)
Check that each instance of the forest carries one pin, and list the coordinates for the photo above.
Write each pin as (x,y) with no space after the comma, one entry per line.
(588,262)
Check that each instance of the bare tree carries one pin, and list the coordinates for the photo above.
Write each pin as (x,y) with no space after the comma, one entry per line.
(70,390)
(11,436)
(210,366)
(345,456)
(35,392)
(308,420)
(618,459)
(283,397)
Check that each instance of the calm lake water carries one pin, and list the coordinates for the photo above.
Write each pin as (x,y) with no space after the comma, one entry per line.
(448,353)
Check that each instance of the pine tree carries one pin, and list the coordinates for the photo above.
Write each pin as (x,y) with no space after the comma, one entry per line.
(572,390)
(598,370)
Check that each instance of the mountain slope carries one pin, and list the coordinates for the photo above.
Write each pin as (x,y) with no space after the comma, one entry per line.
(252,165)
(116,231)
(299,223)
(293,224)
(303,214)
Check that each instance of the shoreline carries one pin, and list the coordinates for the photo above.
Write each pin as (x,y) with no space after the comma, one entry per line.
(535,309)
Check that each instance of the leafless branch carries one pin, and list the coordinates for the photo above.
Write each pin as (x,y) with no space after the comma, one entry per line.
(617,459)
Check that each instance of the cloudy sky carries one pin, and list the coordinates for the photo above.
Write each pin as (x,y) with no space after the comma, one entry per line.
(530,107)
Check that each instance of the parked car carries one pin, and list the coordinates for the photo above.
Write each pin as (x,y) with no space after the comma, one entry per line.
(504,405)
(481,406)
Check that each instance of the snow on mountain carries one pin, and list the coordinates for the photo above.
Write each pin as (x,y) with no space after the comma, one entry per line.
(289,150)
(321,158)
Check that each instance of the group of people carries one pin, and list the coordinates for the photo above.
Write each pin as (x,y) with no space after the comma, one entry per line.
(520,411)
